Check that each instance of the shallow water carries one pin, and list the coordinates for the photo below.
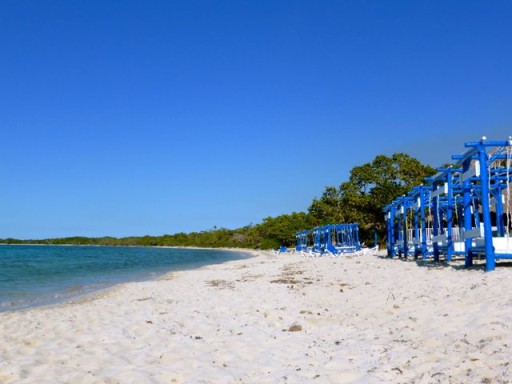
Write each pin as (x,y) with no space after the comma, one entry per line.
(39,275)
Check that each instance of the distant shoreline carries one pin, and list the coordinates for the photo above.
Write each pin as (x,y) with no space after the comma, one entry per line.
(136,246)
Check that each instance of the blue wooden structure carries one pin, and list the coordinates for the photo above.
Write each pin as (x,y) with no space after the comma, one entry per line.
(420,207)
(332,238)
(347,238)
(302,240)
(398,222)
(460,202)
(489,177)
(445,195)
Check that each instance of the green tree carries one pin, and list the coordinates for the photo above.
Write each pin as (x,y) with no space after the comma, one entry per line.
(280,230)
(370,188)
(328,209)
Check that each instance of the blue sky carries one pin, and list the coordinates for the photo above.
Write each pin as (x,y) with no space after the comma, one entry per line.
(153,117)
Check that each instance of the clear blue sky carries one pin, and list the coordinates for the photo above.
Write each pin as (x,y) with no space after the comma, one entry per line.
(151,117)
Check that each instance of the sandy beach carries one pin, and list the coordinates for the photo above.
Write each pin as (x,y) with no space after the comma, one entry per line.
(274,319)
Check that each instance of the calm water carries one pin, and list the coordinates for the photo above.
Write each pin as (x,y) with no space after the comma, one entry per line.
(38,275)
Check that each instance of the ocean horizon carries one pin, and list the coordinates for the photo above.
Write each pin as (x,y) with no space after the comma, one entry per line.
(37,275)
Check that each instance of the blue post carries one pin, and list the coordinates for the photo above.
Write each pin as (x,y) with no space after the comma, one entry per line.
(316,239)
(416,229)
(490,262)
(391,235)
(436,220)
(423,201)
(404,229)
(466,202)
(449,217)
(328,241)
(356,239)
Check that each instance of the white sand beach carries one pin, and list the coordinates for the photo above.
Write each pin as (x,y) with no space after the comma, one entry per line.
(274,319)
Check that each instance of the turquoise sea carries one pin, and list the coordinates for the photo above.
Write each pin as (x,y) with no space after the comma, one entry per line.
(40,275)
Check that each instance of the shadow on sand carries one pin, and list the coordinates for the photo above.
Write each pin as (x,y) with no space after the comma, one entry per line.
(456,263)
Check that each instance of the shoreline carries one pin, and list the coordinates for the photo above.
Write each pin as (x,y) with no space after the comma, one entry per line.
(105,291)
(128,246)
(273,319)
(76,291)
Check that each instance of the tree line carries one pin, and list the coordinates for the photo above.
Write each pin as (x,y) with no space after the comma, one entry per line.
(360,199)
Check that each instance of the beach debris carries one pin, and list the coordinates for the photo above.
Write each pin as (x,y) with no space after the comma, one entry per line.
(149,322)
(305,312)
(285,281)
(397,369)
(222,284)
(295,328)
(345,285)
